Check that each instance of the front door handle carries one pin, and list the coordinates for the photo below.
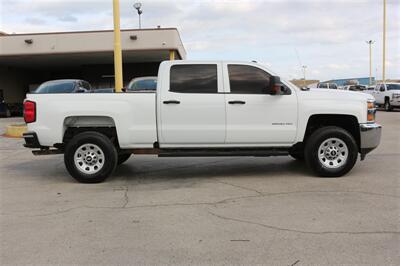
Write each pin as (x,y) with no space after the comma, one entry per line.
(172,102)
(237,102)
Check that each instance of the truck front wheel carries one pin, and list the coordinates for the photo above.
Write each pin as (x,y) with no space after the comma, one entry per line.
(90,157)
(388,106)
(331,152)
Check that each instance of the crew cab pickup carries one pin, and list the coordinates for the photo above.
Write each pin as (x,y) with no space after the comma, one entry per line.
(209,108)
(387,95)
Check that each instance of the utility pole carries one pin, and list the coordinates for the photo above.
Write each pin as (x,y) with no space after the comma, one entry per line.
(384,43)
(117,48)
(304,75)
(370,43)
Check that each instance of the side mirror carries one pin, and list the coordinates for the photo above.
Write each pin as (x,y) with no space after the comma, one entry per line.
(275,85)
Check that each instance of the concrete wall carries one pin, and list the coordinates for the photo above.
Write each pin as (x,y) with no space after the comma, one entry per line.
(94,41)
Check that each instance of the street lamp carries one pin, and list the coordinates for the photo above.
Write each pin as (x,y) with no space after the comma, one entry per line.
(138,7)
(370,43)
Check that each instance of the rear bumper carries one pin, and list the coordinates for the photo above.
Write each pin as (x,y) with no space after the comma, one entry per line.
(370,137)
(31,140)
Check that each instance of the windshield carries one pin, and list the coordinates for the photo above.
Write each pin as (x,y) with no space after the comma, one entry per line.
(143,85)
(392,87)
(56,87)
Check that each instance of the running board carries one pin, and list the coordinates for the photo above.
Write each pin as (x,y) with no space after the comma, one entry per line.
(213,152)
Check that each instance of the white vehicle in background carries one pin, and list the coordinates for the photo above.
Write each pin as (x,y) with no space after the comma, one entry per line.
(387,95)
(206,108)
(325,85)
(354,88)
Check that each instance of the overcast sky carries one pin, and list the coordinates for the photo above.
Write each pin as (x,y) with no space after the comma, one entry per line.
(326,35)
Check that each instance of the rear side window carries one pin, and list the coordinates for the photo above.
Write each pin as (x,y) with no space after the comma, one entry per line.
(194,79)
(248,79)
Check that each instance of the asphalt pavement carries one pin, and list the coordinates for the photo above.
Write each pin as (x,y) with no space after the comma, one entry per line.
(201,210)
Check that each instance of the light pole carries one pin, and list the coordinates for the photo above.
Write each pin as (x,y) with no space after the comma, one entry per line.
(304,75)
(370,43)
(384,43)
(138,7)
(117,48)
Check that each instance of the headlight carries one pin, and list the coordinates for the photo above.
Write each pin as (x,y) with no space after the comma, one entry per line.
(371,111)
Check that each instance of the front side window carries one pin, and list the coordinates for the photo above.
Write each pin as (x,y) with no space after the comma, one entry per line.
(194,78)
(382,87)
(248,79)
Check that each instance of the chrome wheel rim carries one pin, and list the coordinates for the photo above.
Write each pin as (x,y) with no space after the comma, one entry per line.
(333,153)
(89,159)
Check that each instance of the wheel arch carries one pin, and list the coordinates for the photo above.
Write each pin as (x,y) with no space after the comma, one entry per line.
(348,122)
(74,125)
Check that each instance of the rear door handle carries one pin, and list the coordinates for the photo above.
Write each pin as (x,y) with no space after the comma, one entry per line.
(237,102)
(172,102)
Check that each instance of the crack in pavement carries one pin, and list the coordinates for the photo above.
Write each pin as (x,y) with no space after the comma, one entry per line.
(273,227)
(223,201)
(237,186)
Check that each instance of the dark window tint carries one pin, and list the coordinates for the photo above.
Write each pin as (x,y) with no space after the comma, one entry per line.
(392,87)
(248,79)
(56,87)
(194,79)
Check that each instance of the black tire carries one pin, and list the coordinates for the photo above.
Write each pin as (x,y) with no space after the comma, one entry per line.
(388,107)
(109,154)
(123,158)
(312,147)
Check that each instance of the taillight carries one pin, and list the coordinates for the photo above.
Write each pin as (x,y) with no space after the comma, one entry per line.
(29,111)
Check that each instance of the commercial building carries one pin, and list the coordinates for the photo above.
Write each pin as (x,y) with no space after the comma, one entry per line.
(27,60)
(343,82)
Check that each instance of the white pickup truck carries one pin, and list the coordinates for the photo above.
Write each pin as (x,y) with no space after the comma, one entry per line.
(209,108)
(387,95)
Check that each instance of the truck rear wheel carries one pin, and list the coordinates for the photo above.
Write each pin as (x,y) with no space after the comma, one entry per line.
(90,157)
(331,152)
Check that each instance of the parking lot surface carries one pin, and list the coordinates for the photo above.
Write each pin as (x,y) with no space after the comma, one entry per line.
(202,210)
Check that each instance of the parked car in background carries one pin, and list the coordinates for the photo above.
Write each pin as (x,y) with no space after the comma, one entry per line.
(103,90)
(387,95)
(324,85)
(354,88)
(64,86)
(4,111)
(142,84)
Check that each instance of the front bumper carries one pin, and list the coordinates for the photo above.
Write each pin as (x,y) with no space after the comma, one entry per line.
(395,102)
(370,137)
